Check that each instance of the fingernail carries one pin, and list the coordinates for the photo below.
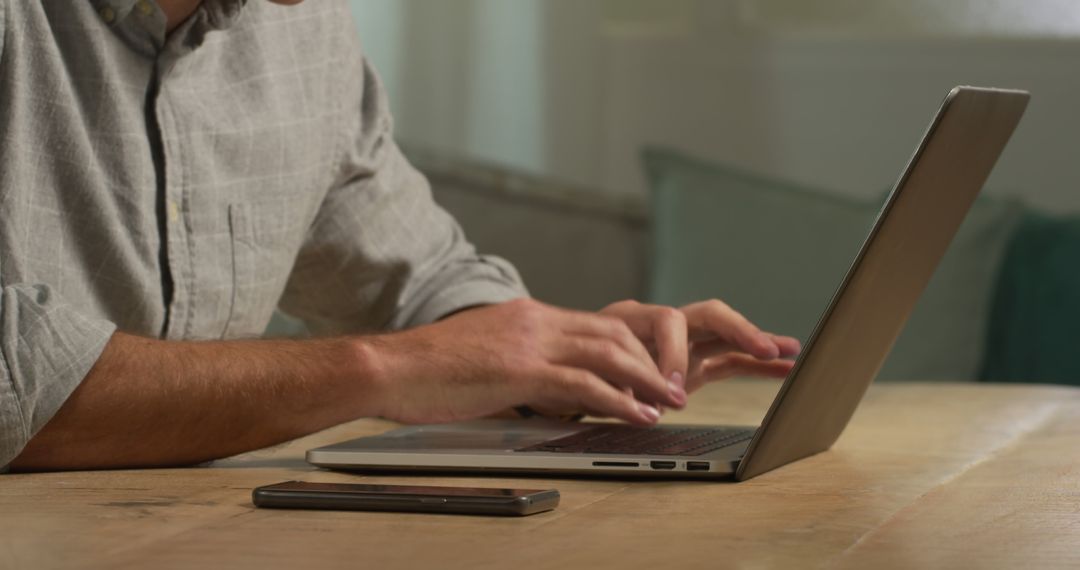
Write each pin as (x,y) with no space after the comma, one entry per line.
(677,392)
(678,378)
(650,412)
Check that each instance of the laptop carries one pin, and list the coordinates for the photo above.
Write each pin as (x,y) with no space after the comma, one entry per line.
(819,396)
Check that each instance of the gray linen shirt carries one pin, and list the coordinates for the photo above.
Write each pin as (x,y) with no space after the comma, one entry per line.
(184,186)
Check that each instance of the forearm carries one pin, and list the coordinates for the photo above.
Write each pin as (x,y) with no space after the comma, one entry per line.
(154,403)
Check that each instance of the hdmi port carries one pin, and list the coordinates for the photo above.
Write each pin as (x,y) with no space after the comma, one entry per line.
(662,464)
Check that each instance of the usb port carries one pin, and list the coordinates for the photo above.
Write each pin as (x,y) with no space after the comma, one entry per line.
(663,464)
(697,465)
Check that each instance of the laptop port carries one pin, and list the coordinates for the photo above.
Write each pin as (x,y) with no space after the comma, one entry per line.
(662,464)
(697,465)
(614,464)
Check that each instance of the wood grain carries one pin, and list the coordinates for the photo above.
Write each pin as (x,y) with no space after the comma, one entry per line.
(927,475)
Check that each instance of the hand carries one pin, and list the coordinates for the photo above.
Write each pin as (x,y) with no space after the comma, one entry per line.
(706,341)
(482,361)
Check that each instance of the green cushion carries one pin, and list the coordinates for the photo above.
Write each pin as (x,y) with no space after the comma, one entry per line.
(284,326)
(1034,331)
(776,251)
(944,338)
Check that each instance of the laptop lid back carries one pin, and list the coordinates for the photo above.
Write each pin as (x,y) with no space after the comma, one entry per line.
(868,311)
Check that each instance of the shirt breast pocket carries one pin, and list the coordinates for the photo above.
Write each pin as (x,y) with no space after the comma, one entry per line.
(265,240)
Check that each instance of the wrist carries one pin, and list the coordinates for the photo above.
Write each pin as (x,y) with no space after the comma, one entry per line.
(369,371)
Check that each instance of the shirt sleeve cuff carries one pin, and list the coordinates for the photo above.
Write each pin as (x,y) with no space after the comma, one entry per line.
(46,349)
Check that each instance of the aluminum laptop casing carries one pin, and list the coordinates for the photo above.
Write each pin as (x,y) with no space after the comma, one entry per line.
(839,361)
(488,445)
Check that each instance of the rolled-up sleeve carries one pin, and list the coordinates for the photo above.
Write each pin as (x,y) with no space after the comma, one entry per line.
(46,349)
(381,253)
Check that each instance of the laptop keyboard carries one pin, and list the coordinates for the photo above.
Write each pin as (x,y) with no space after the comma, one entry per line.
(632,440)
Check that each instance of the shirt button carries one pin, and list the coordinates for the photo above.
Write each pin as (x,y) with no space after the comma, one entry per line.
(174,211)
(144,7)
(108,14)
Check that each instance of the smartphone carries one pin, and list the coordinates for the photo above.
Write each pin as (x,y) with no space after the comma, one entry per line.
(405,498)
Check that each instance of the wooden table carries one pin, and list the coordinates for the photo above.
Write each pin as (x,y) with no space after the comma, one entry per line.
(926,476)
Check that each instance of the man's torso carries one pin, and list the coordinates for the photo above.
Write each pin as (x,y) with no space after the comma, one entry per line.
(242,132)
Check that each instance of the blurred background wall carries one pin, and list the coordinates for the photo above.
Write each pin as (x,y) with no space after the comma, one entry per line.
(832,93)
(674,150)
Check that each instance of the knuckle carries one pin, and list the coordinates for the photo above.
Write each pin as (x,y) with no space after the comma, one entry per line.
(614,327)
(606,350)
(620,329)
(718,305)
(610,321)
(620,306)
(671,315)
(727,312)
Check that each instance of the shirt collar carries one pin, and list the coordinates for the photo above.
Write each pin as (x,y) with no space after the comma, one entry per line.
(142,23)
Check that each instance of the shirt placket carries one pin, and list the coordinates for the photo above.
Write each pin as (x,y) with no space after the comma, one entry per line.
(177,233)
(142,24)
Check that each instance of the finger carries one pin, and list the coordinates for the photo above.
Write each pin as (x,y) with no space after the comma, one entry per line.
(711,349)
(658,407)
(661,328)
(735,364)
(669,335)
(610,361)
(789,346)
(716,319)
(716,372)
(574,388)
(591,324)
